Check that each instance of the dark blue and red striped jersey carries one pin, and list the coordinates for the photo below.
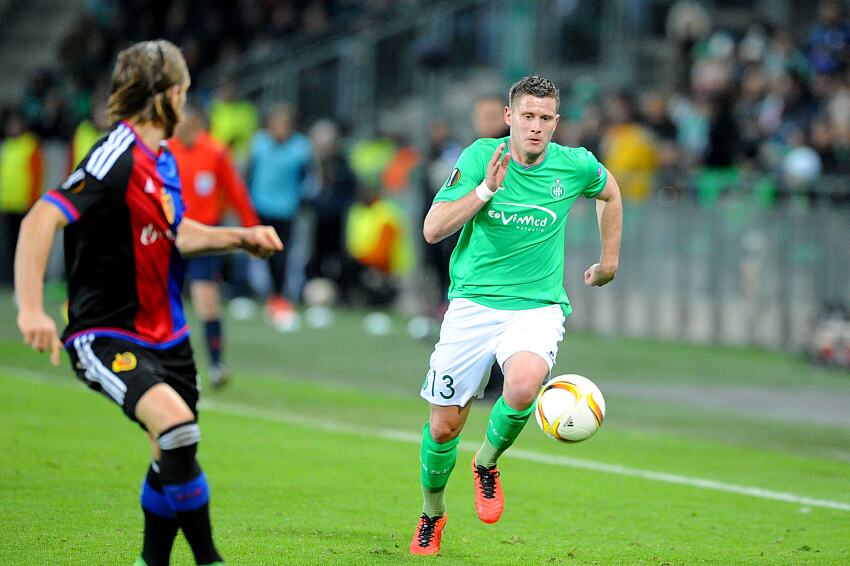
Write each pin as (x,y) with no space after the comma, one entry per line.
(124,271)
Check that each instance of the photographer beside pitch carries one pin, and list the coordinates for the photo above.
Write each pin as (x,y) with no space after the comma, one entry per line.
(510,196)
(125,237)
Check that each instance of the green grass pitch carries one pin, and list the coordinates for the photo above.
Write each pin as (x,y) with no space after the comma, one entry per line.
(312,457)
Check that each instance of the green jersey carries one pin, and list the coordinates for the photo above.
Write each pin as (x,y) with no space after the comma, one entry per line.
(510,255)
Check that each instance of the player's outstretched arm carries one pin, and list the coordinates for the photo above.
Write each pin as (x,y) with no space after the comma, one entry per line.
(34,243)
(194,238)
(446,218)
(609,212)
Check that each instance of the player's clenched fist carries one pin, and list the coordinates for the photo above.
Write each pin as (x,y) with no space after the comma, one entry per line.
(596,276)
(261,241)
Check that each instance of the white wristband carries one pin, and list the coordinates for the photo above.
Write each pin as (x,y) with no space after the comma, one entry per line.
(483,192)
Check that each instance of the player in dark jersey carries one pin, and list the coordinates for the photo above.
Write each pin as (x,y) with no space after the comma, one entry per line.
(125,237)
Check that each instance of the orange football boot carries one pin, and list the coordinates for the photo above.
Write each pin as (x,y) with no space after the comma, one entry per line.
(429,531)
(489,499)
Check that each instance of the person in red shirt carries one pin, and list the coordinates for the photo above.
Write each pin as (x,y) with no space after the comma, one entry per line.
(211,186)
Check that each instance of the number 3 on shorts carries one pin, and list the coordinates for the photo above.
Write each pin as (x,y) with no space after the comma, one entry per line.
(447,390)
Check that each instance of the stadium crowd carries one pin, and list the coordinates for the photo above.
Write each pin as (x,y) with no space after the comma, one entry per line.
(756,100)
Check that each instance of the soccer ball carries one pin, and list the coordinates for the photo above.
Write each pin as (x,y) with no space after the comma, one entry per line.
(569,408)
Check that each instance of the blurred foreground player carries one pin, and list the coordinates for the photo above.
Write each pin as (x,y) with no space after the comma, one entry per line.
(125,236)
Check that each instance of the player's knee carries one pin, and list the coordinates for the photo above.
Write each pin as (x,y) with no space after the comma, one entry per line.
(443,431)
(522,385)
(520,400)
(161,408)
(521,391)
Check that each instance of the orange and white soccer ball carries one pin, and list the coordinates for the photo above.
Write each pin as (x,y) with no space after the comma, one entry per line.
(569,408)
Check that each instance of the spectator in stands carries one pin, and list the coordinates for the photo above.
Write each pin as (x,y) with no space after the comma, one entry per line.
(315,19)
(753,87)
(655,119)
(782,54)
(488,117)
(829,39)
(45,108)
(584,129)
(369,158)
(720,172)
(280,157)
(330,188)
(801,166)
(723,135)
(233,122)
(821,136)
(789,104)
(89,131)
(21,173)
(396,177)
(443,152)
(630,153)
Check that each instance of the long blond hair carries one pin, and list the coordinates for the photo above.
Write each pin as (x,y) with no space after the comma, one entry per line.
(143,75)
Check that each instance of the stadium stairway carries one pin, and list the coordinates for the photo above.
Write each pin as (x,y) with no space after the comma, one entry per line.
(31,35)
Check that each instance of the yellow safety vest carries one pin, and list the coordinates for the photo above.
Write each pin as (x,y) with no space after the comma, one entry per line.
(17,178)
(85,136)
(377,235)
(233,124)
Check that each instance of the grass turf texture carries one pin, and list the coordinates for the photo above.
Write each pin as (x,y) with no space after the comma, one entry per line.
(287,490)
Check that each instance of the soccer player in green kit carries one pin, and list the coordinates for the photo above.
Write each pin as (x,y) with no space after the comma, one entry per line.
(511,197)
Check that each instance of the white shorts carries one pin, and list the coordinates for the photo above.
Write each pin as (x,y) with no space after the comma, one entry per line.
(473,335)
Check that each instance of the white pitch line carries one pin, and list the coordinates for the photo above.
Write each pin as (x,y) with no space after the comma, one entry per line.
(678,479)
(415,438)
(519,454)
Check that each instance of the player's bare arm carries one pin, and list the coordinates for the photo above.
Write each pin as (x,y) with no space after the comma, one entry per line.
(34,242)
(446,218)
(609,212)
(194,238)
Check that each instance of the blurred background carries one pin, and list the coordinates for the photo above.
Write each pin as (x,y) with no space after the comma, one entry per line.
(726,122)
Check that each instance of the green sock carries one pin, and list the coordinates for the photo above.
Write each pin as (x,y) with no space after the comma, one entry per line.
(438,461)
(504,426)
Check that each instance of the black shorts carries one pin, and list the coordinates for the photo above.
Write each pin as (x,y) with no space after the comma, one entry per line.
(124,371)
(205,268)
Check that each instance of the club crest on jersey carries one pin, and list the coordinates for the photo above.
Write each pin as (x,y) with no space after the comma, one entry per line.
(167,205)
(557,191)
(75,182)
(454,178)
(124,362)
